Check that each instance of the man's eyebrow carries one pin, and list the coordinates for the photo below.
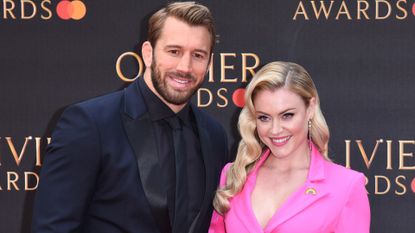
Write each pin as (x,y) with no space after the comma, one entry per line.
(172,47)
(178,47)
(202,51)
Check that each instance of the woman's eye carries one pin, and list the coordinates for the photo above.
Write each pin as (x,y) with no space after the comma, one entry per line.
(287,115)
(263,118)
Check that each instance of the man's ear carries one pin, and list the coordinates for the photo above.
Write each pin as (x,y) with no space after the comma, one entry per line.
(147,52)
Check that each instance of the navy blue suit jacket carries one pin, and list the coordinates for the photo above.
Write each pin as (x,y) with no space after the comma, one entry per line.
(101,172)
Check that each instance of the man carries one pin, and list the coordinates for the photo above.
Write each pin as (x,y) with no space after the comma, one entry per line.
(143,159)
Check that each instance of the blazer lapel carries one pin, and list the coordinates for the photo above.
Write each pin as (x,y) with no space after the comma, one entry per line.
(139,131)
(297,203)
(313,191)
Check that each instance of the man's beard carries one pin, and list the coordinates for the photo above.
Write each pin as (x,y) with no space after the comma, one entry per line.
(168,93)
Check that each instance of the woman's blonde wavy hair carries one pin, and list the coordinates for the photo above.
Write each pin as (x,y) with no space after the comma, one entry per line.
(272,76)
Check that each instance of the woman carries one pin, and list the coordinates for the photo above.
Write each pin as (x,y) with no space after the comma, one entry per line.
(282,180)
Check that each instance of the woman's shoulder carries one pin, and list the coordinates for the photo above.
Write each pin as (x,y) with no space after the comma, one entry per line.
(224,173)
(225,169)
(344,182)
(339,172)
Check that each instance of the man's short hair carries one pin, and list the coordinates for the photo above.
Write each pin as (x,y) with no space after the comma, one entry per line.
(191,13)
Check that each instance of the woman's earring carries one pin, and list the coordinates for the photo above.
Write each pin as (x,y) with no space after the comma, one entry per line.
(309,134)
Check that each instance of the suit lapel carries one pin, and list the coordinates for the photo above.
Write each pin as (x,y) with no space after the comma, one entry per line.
(313,190)
(140,133)
(206,147)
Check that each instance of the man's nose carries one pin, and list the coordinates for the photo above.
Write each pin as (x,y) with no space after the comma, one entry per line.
(185,64)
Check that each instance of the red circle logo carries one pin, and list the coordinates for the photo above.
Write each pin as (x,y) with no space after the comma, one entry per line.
(71,10)
(238,97)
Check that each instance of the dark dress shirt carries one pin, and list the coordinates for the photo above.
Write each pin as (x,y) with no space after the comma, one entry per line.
(158,113)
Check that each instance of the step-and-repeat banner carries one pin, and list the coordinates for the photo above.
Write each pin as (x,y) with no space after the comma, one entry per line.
(360,54)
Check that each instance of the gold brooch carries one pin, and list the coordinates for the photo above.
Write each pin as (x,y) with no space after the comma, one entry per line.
(311,191)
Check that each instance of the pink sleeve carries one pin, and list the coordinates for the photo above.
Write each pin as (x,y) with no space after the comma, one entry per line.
(217,224)
(355,216)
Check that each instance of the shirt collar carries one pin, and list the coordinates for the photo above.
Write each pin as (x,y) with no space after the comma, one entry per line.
(157,109)
(184,114)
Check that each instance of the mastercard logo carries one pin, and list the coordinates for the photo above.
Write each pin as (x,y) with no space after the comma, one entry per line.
(238,97)
(75,10)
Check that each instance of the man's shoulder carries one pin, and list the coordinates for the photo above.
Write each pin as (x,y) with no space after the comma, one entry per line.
(98,108)
(103,101)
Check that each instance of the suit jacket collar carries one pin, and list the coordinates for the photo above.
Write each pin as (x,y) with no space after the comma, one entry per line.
(206,147)
(134,105)
(317,169)
(138,128)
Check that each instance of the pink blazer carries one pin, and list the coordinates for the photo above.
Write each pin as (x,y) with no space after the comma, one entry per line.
(333,199)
